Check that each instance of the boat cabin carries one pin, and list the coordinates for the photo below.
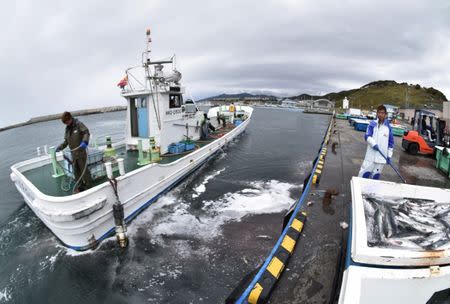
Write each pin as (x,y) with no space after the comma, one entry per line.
(151,114)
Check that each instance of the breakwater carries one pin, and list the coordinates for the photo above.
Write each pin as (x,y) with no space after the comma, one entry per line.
(58,116)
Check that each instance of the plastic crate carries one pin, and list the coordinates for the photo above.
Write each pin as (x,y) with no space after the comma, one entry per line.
(68,169)
(443,159)
(177,148)
(189,146)
(97,170)
(94,155)
(397,131)
(361,126)
(341,116)
(237,122)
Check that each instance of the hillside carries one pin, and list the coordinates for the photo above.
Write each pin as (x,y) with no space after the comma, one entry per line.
(390,92)
(366,97)
(239,96)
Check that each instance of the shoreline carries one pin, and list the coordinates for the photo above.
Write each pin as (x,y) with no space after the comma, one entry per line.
(58,116)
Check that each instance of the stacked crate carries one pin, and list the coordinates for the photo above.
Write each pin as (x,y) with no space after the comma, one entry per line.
(443,159)
(94,162)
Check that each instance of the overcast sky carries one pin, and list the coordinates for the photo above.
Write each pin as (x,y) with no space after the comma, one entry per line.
(58,55)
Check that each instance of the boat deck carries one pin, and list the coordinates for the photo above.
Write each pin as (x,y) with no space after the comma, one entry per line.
(42,179)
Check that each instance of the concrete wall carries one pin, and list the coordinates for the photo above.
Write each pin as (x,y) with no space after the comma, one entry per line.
(409,113)
(446,111)
(323,103)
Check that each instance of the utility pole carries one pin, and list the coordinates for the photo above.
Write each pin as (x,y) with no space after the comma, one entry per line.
(407,96)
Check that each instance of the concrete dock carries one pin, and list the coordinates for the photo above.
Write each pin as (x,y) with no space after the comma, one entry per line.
(313,273)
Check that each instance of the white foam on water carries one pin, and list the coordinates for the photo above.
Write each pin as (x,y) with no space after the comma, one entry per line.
(172,216)
(264,197)
(159,278)
(222,155)
(49,260)
(259,198)
(202,187)
(181,222)
(5,294)
(164,202)
(74,253)
(144,218)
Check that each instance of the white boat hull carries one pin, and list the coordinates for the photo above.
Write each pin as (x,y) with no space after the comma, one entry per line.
(82,220)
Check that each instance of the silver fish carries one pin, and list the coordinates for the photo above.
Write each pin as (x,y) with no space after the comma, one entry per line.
(432,239)
(415,225)
(396,242)
(441,244)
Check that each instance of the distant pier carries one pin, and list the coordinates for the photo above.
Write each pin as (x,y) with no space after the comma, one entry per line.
(58,116)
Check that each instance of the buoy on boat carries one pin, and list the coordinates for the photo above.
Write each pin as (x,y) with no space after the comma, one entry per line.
(155,155)
(121,166)
(109,152)
(57,170)
(121,228)
(119,219)
(109,170)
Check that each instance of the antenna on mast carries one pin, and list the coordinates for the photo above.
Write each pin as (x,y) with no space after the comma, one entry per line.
(149,41)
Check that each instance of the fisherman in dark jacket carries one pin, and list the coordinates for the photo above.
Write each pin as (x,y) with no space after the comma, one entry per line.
(77,138)
(206,126)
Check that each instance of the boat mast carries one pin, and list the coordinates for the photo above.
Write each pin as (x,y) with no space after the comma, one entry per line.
(146,58)
(152,80)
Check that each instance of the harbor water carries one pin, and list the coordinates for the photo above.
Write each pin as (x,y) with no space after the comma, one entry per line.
(192,246)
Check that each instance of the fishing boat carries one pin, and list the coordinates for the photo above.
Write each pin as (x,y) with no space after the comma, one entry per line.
(166,139)
(398,247)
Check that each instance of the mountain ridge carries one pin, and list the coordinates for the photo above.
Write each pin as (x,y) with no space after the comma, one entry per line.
(367,96)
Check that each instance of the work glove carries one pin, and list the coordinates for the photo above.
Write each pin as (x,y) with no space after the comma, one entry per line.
(83,145)
(388,160)
(376,148)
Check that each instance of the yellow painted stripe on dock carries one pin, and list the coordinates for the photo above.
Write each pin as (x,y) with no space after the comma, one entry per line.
(318,171)
(255,293)
(321,162)
(275,267)
(297,225)
(288,243)
(314,179)
(319,166)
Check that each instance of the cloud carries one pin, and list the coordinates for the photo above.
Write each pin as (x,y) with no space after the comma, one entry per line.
(70,55)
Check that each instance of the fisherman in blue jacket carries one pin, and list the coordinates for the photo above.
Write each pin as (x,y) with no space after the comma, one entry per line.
(379,138)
